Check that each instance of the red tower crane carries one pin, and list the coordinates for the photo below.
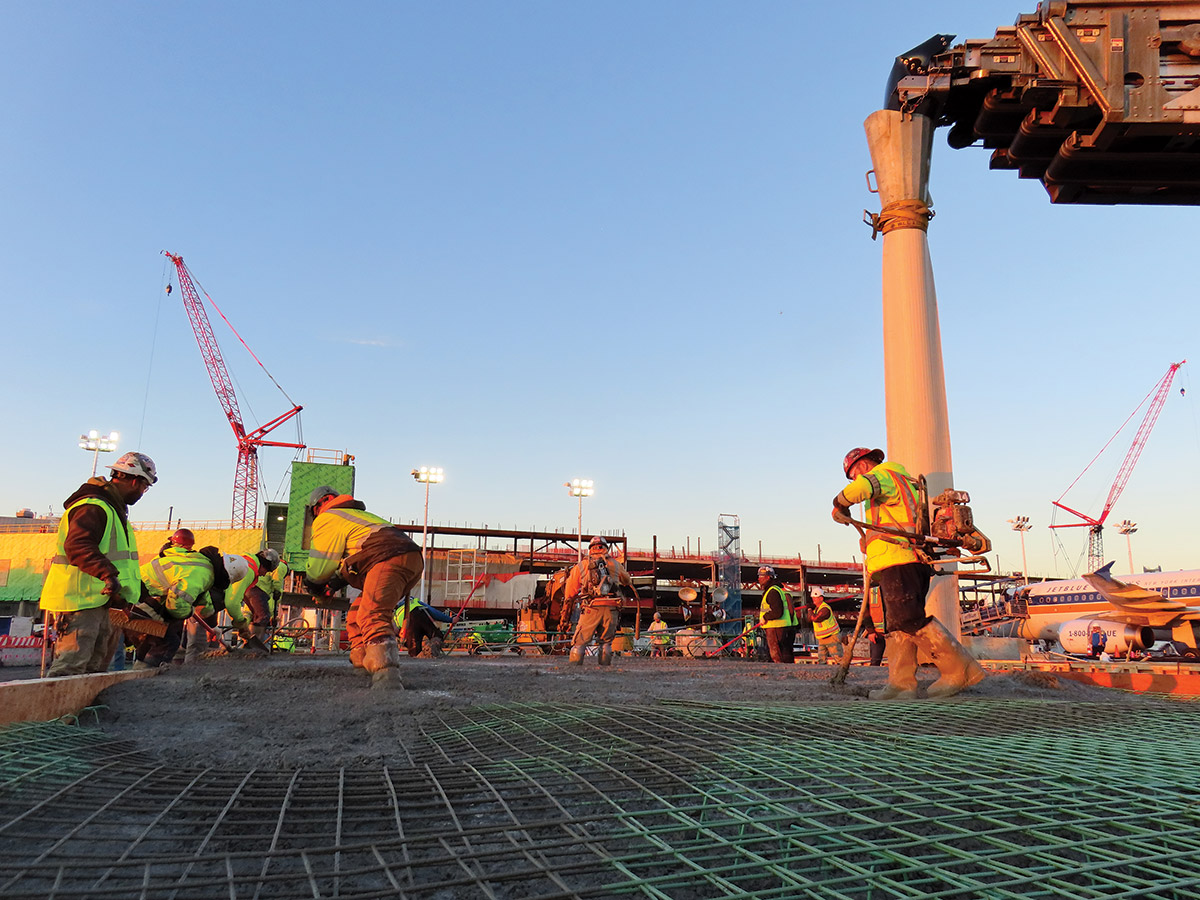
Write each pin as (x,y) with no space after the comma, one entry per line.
(1096,525)
(245,479)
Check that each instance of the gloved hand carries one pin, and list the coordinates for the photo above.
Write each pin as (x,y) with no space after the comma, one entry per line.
(841,514)
(115,593)
(244,632)
(317,590)
(335,583)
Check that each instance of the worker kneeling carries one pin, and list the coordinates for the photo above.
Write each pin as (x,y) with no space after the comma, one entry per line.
(596,581)
(890,496)
(352,546)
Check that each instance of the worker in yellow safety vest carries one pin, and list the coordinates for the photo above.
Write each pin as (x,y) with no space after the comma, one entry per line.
(890,497)
(177,582)
(260,597)
(244,570)
(826,630)
(352,546)
(95,566)
(777,617)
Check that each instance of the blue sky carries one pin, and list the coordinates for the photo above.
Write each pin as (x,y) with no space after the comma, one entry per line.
(535,241)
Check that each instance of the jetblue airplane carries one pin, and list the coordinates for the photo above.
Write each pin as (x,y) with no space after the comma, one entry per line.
(1133,614)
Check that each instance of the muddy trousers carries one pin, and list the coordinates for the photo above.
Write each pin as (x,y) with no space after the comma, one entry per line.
(599,622)
(158,651)
(385,586)
(780,644)
(86,642)
(418,626)
(260,607)
(832,649)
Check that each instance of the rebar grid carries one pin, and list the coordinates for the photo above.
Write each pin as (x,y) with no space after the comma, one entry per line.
(980,798)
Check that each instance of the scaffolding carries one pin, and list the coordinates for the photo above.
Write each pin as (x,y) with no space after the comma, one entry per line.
(728,563)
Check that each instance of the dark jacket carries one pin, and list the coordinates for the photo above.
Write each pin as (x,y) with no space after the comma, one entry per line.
(85,527)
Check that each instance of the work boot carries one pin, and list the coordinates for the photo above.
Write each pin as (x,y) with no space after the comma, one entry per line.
(356,657)
(382,660)
(436,645)
(902,669)
(958,668)
(576,656)
(605,655)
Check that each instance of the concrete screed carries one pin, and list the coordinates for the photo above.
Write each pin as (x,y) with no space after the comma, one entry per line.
(306,711)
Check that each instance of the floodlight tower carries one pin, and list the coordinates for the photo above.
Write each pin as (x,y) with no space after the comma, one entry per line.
(580,487)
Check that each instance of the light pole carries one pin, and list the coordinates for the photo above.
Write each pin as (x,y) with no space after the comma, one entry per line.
(1127,528)
(580,487)
(96,442)
(1021,524)
(426,475)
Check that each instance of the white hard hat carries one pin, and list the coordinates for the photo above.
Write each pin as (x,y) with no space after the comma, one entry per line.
(817,592)
(236,567)
(271,555)
(138,465)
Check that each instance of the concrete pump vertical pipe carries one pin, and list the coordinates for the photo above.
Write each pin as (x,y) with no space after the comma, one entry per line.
(918,429)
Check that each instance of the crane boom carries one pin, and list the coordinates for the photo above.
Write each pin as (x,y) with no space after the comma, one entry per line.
(1095,525)
(245,479)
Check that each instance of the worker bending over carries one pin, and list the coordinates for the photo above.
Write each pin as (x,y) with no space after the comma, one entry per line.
(415,621)
(95,566)
(352,546)
(244,570)
(597,580)
(263,596)
(176,581)
(826,630)
(777,617)
(890,496)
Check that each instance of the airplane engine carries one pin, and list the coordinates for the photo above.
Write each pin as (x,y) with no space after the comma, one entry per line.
(1121,637)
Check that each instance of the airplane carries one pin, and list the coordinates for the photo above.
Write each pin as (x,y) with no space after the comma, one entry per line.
(1133,614)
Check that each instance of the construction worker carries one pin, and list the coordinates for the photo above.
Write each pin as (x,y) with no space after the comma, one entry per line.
(873,626)
(890,496)
(262,596)
(777,617)
(660,640)
(826,630)
(597,580)
(95,567)
(352,546)
(415,621)
(243,570)
(207,607)
(176,580)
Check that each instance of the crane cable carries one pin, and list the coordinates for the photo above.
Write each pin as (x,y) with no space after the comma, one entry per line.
(150,365)
(239,337)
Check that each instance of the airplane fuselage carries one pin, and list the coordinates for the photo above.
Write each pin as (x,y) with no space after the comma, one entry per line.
(1052,603)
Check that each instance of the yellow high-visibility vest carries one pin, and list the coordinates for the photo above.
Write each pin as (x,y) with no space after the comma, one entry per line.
(70,589)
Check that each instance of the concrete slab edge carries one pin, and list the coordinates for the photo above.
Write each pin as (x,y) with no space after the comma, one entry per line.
(46,699)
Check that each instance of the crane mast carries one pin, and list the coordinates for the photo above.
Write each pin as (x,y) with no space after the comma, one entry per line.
(1095,525)
(245,479)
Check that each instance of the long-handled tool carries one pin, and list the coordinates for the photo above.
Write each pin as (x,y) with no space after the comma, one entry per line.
(212,633)
(839,677)
(734,640)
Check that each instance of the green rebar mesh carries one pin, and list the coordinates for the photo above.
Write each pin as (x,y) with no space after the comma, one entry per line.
(976,798)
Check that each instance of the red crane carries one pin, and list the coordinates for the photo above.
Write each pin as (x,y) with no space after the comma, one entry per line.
(245,479)
(1096,525)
